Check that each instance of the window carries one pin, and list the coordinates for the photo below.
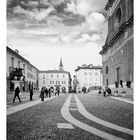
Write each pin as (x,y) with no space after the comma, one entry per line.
(51,76)
(62,82)
(18,64)
(118,17)
(50,82)
(57,76)
(24,68)
(56,82)
(63,76)
(106,69)
(28,75)
(96,73)
(43,82)
(90,73)
(43,76)
(12,62)
(85,73)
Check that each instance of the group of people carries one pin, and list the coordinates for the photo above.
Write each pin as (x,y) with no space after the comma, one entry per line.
(48,92)
(105,91)
(44,91)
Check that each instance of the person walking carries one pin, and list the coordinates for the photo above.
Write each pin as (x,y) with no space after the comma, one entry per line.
(42,94)
(104,91)
(46,91)
(17,91)
(31,94)
(108,90)
(57,90)
(50,90)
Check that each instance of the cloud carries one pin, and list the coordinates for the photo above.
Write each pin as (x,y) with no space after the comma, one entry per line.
(31,4)
(85,7)
(35,14)
(54,21)
(95,20)
(71,7)
(45,2)
(56,2)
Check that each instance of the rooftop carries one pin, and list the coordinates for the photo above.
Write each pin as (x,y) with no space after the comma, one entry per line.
(90,66)
(54,71)
(19,56)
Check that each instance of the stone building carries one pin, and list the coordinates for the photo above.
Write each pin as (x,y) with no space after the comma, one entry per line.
(88,76)
(117,53)
(55,78)
(20,72)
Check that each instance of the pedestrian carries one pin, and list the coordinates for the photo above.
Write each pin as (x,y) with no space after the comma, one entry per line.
(121,83)
(31,94)
(99,91)
(104,91)
(50,91)
(17,91)
(57,90)
(108,90)
(42,94)
(46,91)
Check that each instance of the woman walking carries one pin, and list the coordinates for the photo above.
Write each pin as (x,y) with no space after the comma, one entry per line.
(42,94)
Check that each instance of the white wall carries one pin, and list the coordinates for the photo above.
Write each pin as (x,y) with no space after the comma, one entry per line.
(48,78)
(93,77)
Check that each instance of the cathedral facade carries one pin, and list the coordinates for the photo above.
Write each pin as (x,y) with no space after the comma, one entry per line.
(117,52)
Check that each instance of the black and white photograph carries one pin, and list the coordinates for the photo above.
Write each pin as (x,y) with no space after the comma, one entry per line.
(69,70)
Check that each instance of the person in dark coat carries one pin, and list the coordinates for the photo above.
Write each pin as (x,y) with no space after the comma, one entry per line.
(99,91)
(17,91)
(104,92)
(50,90)
(42,94)
(108,90)
(57,90)
(46,91)
(31,94)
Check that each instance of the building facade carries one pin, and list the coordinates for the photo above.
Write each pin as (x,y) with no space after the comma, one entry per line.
(88,76)
(21,71)
(55,78)
(117,53)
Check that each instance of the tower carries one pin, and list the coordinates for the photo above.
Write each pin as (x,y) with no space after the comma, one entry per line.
(61,65)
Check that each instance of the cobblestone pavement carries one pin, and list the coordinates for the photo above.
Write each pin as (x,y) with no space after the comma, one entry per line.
(40,122)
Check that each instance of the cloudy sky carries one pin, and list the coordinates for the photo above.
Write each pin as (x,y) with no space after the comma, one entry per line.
(45,30)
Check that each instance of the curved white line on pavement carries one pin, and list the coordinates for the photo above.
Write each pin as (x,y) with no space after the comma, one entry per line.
(66,115)
(89,116)
(120,99)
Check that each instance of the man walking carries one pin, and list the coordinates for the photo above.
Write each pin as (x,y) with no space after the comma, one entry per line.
(31,94)
(17,91)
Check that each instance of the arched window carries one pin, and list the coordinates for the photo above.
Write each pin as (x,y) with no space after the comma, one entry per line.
(118,17)
(106,69)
